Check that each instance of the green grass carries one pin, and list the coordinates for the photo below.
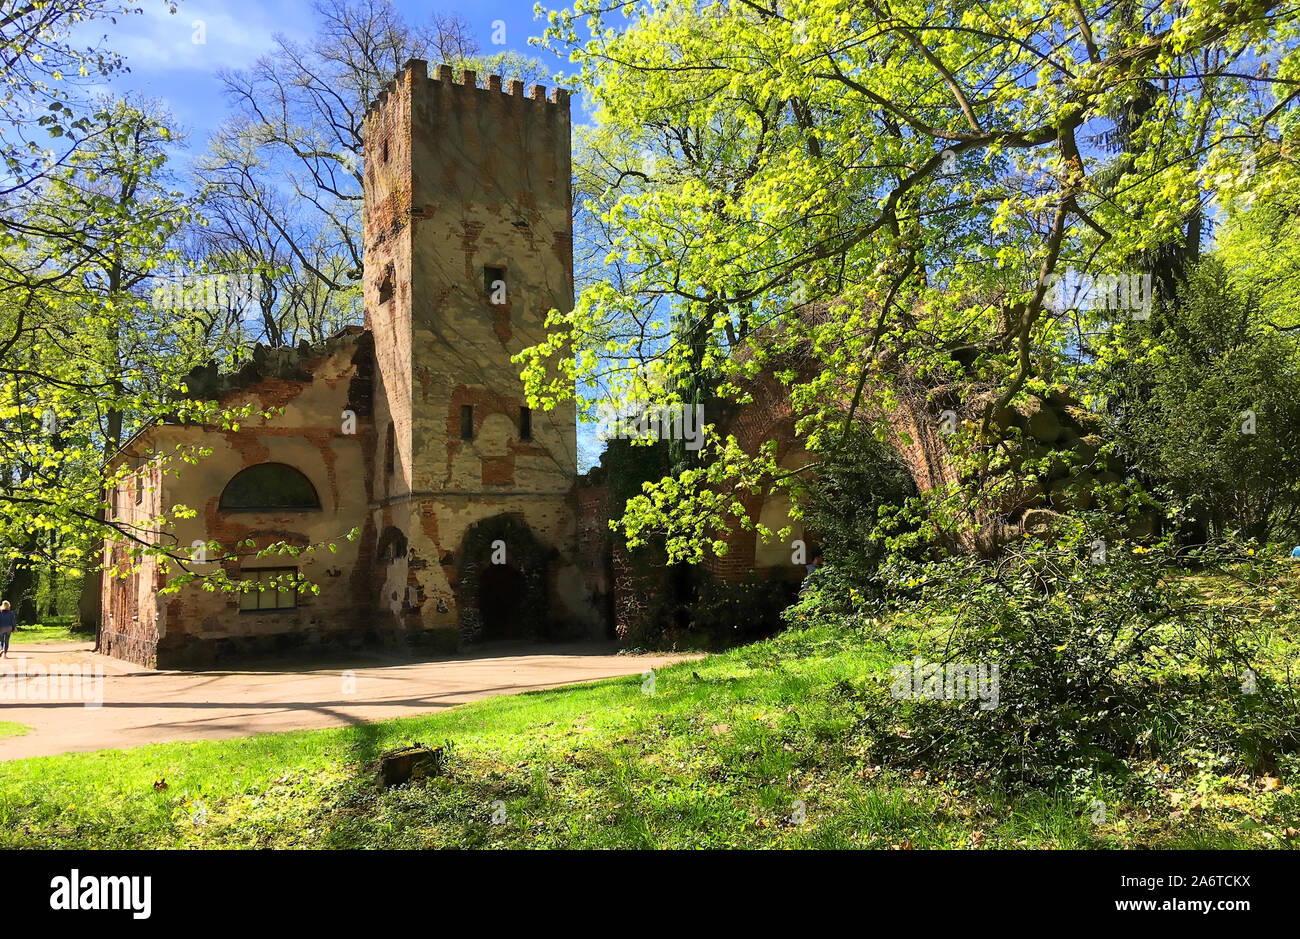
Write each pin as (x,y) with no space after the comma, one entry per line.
(12,729)
(55,629)
(730,751)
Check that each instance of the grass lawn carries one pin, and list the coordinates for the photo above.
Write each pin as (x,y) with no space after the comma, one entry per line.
(748,748)
(12,729)
(55,629)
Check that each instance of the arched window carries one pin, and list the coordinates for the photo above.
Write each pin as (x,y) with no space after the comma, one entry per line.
(269,486)
(392,544)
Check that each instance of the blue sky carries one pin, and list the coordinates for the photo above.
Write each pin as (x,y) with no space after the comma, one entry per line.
(166,63)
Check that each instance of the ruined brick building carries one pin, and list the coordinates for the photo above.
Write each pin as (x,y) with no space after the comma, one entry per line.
(413,432)
(442,468)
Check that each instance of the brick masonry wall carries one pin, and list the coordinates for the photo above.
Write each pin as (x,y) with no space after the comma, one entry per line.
(458,179)
(476,178)
(193,626)
(130,611)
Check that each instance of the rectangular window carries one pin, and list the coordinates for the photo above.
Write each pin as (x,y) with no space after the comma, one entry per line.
(467,422)
(494,284)
(139,485)
(525,423)
(275,592)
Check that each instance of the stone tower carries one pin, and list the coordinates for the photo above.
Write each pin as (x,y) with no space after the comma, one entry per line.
(468,245)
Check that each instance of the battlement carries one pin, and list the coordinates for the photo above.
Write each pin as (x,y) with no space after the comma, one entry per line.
(416,73)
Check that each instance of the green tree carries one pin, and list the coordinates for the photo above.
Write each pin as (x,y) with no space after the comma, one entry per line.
(1206,400)
(892,188)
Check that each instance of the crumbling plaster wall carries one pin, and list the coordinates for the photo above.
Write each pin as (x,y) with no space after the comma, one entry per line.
(475,178)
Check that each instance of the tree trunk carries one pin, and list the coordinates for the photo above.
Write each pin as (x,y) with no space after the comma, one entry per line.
(89,605)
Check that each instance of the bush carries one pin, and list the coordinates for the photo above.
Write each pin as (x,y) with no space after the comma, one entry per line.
(683,607)
(1107,656)
(747,611)
(1206,404)
(844,503)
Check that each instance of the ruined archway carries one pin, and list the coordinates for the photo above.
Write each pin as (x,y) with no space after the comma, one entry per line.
(502,591)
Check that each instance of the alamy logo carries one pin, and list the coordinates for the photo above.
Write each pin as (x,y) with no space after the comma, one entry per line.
(1130,292)
(641,421)
(105,892)
(36,682)
(210,293)
(953,681)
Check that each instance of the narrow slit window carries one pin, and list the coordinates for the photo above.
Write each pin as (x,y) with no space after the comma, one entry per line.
(525,423)
(389,458)
(494,284)
(467,422)
(139,485)
(386,285)
(384,151)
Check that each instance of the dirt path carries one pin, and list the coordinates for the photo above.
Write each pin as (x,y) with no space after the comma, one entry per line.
(143,706)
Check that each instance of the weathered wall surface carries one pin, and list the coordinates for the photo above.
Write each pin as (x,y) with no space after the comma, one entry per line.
(475,188)
(768,417)
(129,602)
(464,186)
(193,626)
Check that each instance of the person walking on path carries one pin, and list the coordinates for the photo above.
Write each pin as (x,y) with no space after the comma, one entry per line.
(8,623)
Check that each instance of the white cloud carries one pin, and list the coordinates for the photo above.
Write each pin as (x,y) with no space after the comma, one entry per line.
(234,33)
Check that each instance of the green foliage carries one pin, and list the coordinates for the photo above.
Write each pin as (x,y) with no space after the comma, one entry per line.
(720,755)
(88,360)
(864,189)
(845,500)
(680,607)
(727,612)
(1109,659)
(1206,404)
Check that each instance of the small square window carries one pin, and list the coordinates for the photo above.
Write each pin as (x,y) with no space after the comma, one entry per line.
(467,422)
(275,590)
(525,423)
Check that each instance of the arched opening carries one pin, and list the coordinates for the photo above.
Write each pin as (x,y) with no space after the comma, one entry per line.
(269,487)
(502,588)
(391,545)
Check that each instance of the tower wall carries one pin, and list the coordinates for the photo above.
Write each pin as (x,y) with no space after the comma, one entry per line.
(465,187)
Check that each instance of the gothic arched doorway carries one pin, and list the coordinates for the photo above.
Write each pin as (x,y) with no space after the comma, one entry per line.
(502,590)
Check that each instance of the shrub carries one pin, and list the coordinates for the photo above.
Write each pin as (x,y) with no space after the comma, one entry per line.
(746,611)
(844,503)
(1107,653)
(683,607)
